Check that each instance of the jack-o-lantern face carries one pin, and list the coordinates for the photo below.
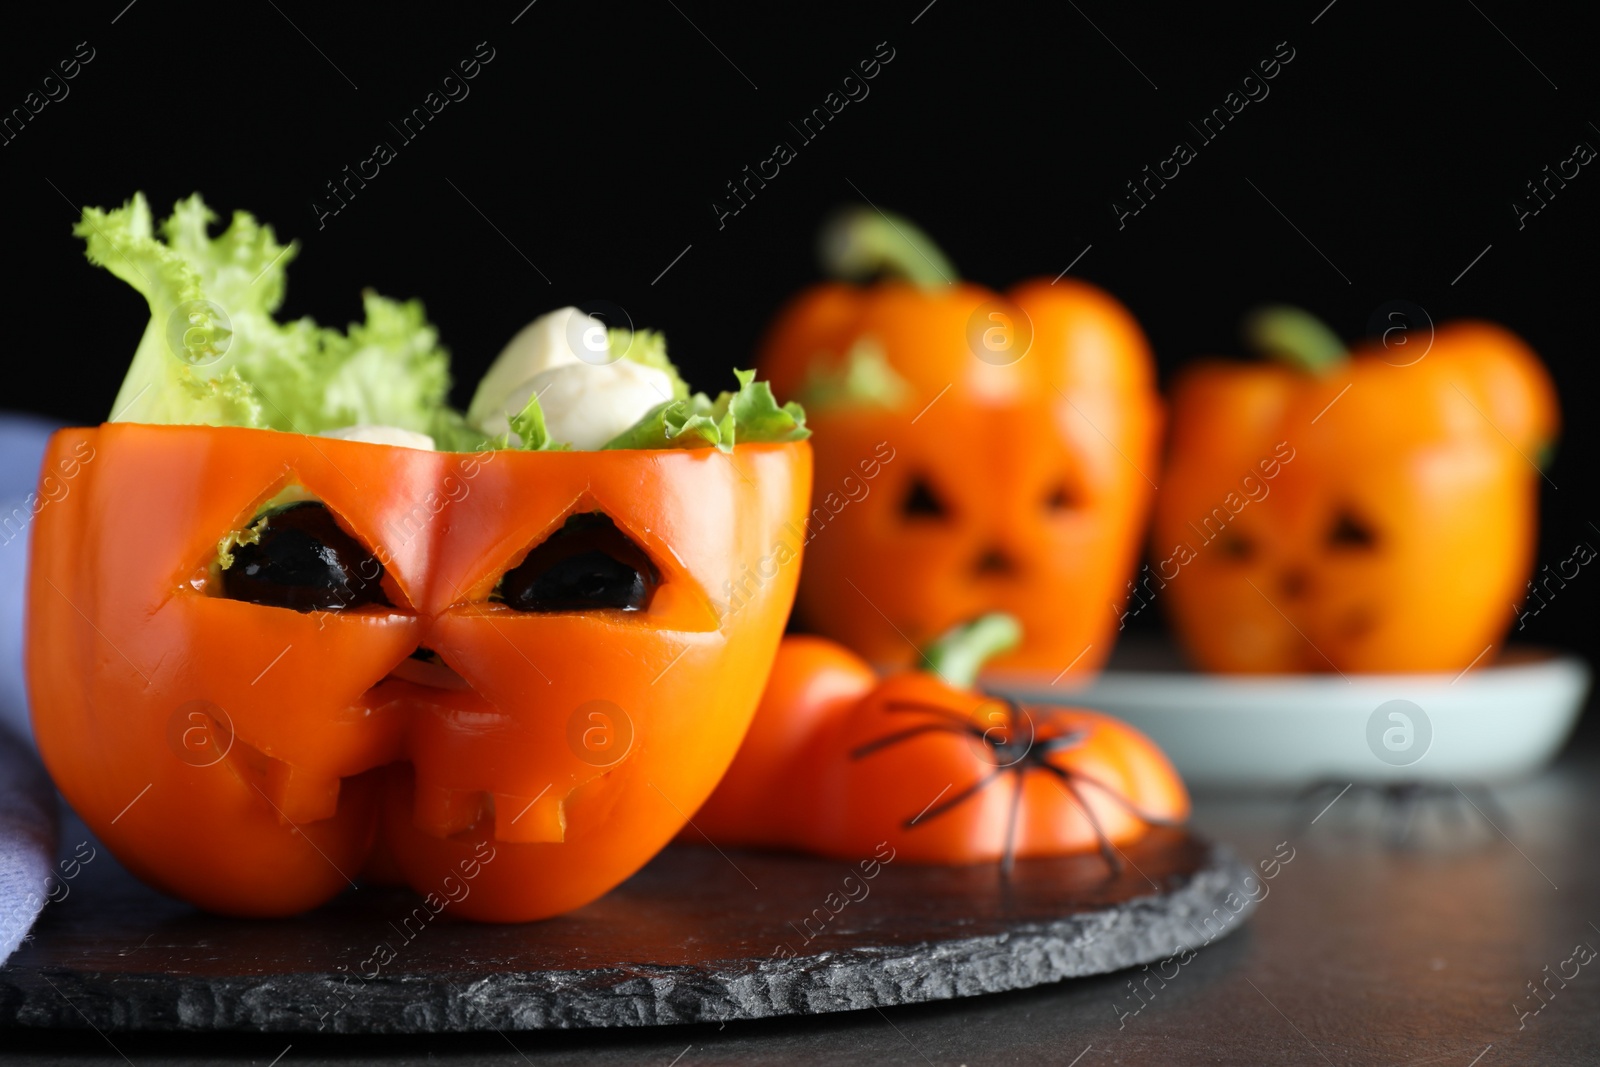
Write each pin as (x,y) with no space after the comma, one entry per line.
(508,676)
(1374,518)
(1018,482)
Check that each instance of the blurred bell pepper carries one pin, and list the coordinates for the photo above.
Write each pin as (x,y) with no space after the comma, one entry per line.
(1373,510)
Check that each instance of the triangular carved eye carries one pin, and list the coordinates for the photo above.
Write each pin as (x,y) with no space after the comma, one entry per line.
(922,502)
(296,556)
(586,565)
(1349,531)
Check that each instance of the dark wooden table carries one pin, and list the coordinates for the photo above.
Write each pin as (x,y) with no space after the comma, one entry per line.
(1367,950)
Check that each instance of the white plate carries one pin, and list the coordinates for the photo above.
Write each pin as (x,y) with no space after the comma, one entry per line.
(1489,724)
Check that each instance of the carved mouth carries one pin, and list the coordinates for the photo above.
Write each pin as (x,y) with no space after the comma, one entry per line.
(440,812)
(422,684)
(1358,623)
(298,795)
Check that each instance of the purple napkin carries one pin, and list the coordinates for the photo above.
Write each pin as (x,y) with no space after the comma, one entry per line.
(27,799)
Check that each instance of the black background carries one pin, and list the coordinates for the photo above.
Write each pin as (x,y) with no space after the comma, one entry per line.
(595,142)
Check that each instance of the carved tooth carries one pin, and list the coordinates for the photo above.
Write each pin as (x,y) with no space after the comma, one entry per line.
(529,819)
(300,795)
(440,812)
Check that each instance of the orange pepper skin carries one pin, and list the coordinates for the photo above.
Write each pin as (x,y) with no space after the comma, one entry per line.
(487,794)
(1389,519)
(1038,463)
(812,681)
(831,766)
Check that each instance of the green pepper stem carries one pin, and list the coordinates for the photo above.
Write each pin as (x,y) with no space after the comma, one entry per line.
(1295,337)
(961,651)
(861,242)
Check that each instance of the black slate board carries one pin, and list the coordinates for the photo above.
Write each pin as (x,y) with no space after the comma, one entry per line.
(696,936)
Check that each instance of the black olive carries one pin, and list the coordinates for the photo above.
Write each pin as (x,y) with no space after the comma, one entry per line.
(304,560)
(585,565)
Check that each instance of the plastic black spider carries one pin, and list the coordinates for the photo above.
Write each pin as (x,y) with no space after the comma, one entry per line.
(1010,754)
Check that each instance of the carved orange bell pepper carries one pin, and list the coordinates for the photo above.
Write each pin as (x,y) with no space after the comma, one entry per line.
(1362,511)
(975,452)
(837,762)
(277,643)
(514,666)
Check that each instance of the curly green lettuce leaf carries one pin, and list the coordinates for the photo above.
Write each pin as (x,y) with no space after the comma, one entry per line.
(214,354)
(528,425)
(198,382)
(757,415)
(451,432)
(686,423)
(750,415)
(387,371)
(649,348)
(250,535)
(864,378)
(229,399)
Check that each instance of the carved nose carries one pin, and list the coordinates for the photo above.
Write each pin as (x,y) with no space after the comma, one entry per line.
(1295,583)
(995,562)
(426,667)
